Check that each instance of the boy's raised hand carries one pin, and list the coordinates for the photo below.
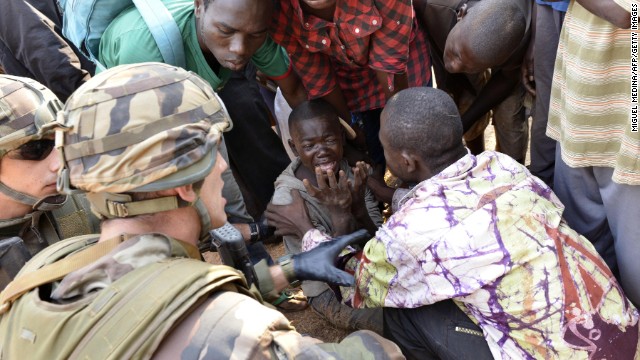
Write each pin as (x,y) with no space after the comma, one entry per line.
(334,194)
(360,172)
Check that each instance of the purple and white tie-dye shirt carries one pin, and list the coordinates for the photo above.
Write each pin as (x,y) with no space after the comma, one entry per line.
(489,235)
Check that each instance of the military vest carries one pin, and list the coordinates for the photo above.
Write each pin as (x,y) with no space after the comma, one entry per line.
(126,319)
(42,228)
(39,229)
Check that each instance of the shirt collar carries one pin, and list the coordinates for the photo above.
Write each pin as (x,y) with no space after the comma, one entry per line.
(457,170)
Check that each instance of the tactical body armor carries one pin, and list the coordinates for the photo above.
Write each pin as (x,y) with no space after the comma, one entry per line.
(109,317)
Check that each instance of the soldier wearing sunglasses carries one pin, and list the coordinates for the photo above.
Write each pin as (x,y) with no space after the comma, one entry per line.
(32,213)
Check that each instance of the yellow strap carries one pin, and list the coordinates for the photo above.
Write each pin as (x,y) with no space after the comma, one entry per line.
(55,271)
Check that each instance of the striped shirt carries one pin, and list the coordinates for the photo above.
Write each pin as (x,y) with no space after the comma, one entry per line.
(590,108)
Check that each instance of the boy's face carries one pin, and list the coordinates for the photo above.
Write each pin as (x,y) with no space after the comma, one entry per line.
(232,30)
(318,142)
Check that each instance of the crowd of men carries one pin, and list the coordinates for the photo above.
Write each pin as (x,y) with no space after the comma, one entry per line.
(111,178)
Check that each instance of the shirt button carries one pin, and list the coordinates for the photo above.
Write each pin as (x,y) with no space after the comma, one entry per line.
(398,22)
(357,30)
(374,22)
(324,41)
(306,25)
(307,46)
(342,47)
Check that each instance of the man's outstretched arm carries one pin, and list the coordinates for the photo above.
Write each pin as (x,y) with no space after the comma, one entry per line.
(608,10)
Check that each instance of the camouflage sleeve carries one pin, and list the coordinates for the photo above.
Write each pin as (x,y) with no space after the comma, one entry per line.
(363,344)
(232,325)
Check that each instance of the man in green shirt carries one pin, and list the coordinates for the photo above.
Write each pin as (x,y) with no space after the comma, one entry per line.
(219,37)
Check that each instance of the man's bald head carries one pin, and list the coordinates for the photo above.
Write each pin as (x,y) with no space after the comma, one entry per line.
(485,37)
(426,122)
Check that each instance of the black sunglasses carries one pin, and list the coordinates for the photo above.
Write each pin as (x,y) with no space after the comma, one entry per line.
(33,150)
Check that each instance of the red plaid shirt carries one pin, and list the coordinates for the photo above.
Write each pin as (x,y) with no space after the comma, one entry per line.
(367,35)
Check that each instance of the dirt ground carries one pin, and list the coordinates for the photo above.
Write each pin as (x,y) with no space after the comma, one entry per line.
(307,322)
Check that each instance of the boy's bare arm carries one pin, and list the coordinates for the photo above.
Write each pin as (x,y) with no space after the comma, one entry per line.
(292,219)
(358,205)
(292,89)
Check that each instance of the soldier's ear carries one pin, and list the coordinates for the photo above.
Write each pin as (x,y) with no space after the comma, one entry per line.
(187,193)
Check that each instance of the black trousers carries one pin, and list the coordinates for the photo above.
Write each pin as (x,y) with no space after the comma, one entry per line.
(438,331)
(255,151)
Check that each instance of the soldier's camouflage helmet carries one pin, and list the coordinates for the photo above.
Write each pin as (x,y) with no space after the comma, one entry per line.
(139,128)
(25,107)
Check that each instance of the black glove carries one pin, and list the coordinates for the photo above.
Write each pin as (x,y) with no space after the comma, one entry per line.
(319,263)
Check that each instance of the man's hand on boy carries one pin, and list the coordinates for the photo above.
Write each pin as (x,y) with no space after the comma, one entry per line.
(291,219)
(319,262)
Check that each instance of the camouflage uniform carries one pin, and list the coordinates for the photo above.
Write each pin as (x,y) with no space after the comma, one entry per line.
(25,106)
(117,305)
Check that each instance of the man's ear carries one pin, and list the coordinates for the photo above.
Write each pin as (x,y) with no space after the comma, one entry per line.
(462,12)
(199,7)
(292,147)
(410,162)
(187,193)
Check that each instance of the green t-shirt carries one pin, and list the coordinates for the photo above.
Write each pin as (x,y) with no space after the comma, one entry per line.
(127,40)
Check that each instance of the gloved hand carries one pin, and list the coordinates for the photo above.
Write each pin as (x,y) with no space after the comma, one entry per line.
(319,263)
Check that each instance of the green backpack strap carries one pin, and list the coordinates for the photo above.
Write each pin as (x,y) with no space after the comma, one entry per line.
(164,30)
(84,22)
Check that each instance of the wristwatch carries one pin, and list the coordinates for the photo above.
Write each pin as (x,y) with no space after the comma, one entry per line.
(255,232)
(286,264)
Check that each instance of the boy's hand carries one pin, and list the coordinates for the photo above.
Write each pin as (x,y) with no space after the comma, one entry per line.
(335,195)
(291,219)
(360,173)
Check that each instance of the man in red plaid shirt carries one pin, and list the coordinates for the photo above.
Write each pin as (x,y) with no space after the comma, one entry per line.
(355,54)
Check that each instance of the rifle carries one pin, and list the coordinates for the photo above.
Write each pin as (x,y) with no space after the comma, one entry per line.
(233,251)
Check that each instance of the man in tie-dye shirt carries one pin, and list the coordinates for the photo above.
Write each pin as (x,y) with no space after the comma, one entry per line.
(485,233)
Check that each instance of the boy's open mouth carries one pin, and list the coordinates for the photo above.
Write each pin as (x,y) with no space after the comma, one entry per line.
(327,166)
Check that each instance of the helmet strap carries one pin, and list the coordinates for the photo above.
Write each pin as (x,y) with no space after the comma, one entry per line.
(45,204)
(110,205)
(205,218)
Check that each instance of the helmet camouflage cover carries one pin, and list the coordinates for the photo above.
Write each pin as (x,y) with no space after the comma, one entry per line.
(139,128)
(25,106)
